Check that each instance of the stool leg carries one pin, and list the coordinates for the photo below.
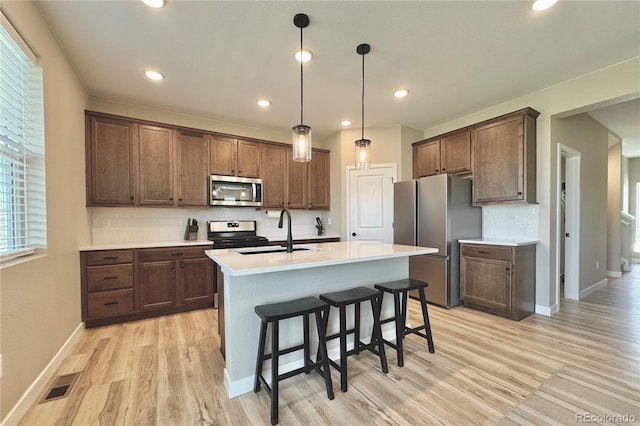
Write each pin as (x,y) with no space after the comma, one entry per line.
(425,317)
(260,360)
(305,325)
(322,318)
(399,328)
(275,353)
(376,306)
(343,348)
(356,327)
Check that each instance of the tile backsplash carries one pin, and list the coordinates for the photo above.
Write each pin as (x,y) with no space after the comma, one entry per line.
(130,225)
(510,221)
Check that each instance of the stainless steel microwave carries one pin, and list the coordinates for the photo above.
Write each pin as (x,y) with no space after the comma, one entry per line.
(235,191)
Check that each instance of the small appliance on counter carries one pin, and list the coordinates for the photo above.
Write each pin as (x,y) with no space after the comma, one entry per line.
(234,234)
(191,232)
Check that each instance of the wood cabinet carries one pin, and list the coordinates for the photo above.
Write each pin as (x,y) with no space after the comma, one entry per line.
(111,152)
(297,182)
(192,162)
(124,285)
(498,279)
(156,155)
(449,153)
(504,159)
(319,180)
(234,157)
(273,167)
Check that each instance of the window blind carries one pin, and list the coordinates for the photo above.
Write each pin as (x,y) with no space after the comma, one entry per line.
(23,224)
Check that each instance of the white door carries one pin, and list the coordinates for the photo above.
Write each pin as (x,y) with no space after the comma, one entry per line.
(370,203)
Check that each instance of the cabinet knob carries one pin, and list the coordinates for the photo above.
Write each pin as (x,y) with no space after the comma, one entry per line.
(179,199)
(131,198)
(239,171)
(519,193)
(437,170)
(171,199)
(444,170)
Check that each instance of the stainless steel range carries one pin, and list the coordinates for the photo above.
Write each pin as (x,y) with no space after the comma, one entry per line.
(234,234)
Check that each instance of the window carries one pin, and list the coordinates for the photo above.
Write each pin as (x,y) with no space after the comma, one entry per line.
(22,179)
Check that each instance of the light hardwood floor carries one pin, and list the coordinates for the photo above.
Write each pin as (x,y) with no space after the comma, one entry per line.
(486,370)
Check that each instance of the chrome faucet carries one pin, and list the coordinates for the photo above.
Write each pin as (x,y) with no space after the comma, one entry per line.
(289,240)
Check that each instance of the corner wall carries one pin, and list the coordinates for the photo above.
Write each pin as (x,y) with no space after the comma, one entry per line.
(40,300)
(614,203)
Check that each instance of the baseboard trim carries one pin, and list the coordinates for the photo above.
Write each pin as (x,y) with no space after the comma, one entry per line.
(587,291)
(547,310)
(614,274)
(34,391)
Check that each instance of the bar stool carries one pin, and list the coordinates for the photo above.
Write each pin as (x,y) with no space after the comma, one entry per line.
(398,288)
(355,296)
(272,314)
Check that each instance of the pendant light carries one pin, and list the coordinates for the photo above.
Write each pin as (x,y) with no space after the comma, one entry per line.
(301,133)
(363,146)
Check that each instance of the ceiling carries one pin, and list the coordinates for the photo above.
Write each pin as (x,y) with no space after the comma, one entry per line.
(455,57)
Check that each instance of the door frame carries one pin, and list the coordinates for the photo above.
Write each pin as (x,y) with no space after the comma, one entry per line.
(350,169)
(572,223)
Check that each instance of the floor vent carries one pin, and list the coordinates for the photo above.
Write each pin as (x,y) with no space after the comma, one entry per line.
(61,387)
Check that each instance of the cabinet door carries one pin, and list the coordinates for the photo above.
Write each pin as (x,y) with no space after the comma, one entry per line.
(156,165)
(486,282)
(248,158)
(157,285)
(455,153)
(222,156)
(426,159)
(196,280)
(498,161)
(193,169)
(110,162)
(297,175)
(319,180)
(273,175)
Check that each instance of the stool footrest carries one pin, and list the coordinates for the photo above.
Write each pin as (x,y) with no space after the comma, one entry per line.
(285,351)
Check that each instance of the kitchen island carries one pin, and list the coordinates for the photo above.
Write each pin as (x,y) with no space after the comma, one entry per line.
(260,275)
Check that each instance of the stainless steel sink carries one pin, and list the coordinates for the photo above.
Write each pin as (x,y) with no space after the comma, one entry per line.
(276,249)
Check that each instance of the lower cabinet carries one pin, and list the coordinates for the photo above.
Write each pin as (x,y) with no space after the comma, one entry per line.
(499,279)
(124,285)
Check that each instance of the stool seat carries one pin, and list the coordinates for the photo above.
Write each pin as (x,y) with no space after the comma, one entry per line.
(272,314)
(289,309)
(399,289)
(347,297)
(354,296)
(401,285)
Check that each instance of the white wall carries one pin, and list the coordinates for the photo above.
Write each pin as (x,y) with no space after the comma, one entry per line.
(40,301)
(614,204)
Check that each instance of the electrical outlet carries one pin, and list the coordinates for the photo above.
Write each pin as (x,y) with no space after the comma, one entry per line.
(106,223)
(523,220)
(597,264)
(329,221)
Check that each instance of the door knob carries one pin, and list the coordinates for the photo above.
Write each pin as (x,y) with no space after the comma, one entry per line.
(567,235)
(353,234)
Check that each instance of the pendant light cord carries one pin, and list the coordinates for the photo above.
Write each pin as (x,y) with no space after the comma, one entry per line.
(301,79)
(362,137)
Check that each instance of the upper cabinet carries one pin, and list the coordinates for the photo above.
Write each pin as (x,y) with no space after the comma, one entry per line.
(504,159)
(192,154)
(110,160)
(234,157)
(137,163)
(156,186)
(449,153)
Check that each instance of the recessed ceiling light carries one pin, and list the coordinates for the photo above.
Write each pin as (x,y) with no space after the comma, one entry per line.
(263,102)
(401,93)
(345,123)
(304,54)
(539,5)
(154,3)
(154,75)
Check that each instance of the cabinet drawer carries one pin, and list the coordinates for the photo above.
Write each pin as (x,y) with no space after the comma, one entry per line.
(155,255)
(109,303)
(109,257)
(487,252)
(101,278)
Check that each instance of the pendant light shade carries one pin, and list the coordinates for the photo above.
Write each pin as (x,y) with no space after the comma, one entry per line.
(363,146)
(301,133)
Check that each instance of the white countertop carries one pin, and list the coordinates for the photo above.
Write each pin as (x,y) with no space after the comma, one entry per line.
(513,242)
(234,263)
(145,244)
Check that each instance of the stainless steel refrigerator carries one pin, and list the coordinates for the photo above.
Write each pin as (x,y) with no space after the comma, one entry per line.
(436,211)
